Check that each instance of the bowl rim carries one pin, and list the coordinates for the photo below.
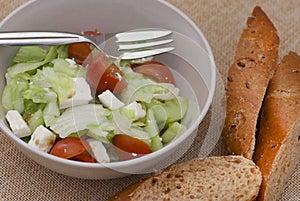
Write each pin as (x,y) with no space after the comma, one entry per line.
(120,164)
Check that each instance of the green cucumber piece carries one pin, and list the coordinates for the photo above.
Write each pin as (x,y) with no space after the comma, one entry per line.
(172,131)
(156,143)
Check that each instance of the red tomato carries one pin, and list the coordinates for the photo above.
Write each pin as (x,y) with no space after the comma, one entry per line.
(68,148)
(103,74)
(128,147)
(85,157)
(156,71)
(79,51)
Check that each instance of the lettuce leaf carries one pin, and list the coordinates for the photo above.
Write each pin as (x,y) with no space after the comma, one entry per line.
(38,94)
(125,125)
(51,112)
(31,107)
(22,68)
(78,118)
(30,54)
(62,84)
(103,131)
(30,58)
(62,51)
(61,65)
(35,120)
(12,96)
(142,89)
(56,51)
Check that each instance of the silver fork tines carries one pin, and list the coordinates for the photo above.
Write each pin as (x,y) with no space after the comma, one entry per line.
(144,45)
(127,45)
(135,36)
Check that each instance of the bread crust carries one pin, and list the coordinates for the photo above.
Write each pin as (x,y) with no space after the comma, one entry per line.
(125,195)
(278,141)
(213,178)
(254,63)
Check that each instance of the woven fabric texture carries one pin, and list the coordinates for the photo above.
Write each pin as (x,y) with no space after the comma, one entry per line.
(222,22)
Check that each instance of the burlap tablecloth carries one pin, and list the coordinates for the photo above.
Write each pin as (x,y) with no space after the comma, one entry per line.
(221,22)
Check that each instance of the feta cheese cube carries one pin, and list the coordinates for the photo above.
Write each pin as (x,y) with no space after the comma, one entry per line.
(137,109)
(17,124)
(42,139)
(109,100)
(99,151)
(82,94)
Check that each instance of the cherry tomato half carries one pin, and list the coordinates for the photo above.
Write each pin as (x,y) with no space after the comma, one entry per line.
(68,147)
(103,74)
(80,52)
(85,157)
(156,71)
(128,147)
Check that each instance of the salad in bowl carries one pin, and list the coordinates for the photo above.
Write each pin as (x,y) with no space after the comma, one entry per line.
(74,102)
(191,64)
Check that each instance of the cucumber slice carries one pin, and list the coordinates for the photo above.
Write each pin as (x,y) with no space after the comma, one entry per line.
(156,143)
(160,115)
(174,130)
(175,109)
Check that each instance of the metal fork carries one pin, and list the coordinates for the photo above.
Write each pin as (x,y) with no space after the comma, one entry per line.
(126,45)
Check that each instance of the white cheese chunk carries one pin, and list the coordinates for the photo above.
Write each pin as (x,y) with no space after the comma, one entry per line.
(42,139)
(17,124)
(109,100)
(137,109)
(82,94)
(99,151)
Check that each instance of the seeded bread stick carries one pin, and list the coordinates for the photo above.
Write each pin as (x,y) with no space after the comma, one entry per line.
(248,77)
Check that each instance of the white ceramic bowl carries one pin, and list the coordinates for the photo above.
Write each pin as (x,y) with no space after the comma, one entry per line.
(192,64)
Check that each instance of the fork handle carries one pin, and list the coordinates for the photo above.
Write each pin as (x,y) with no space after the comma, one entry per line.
(39,38)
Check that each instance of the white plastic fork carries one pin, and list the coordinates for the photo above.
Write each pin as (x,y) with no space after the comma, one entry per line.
(126,45)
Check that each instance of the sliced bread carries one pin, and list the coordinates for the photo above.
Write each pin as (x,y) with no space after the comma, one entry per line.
(248,77)
(277,150)
(212,178)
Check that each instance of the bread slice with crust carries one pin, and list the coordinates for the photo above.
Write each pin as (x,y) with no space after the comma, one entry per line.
(212,178)
(248,77)
(278,141)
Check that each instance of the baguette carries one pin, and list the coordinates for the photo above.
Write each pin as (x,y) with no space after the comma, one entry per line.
(212,178)
(254,63)
(278,141)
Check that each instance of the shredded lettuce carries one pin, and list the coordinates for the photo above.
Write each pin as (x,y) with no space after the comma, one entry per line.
(51,54)
(103,131)
(36,119)
(51,113)
(31,107)
(62,51)
(22,68)
(151,128)
(30,54)
(30,58)
(142,89)
(126,126)
(62,84)
(57,51)
(39,94)
(78,118)
(63,66)
(12,96)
